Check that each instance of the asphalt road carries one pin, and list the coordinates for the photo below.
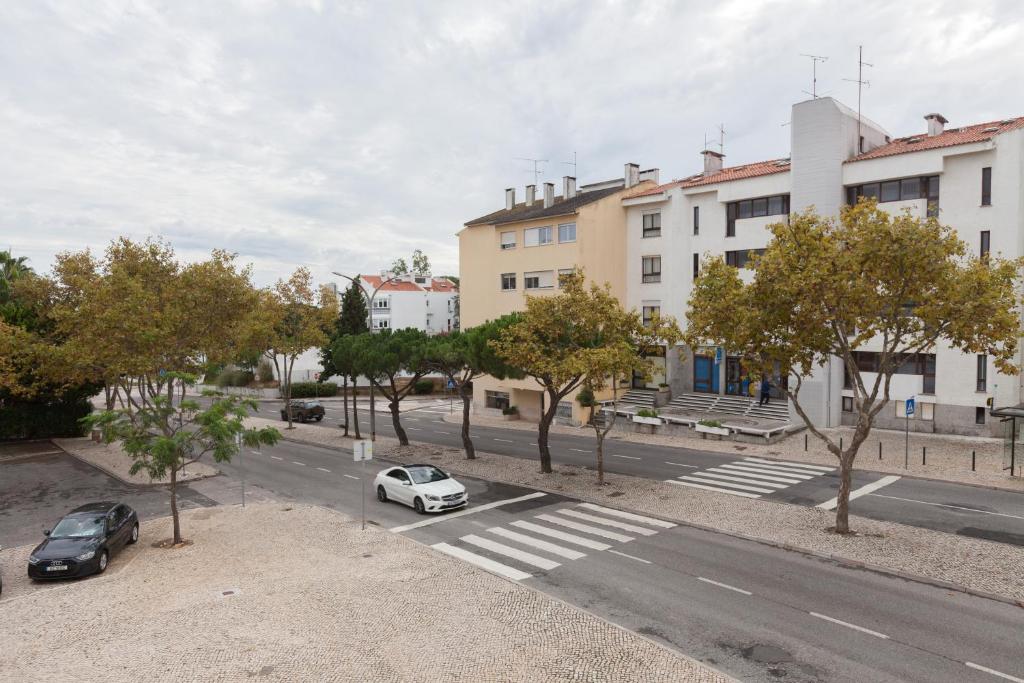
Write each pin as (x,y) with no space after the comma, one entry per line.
(995,515)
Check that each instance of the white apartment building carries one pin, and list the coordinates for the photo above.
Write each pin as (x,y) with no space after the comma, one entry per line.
(421,301)
(972,176)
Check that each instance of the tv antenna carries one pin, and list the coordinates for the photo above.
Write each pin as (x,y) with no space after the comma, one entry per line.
(536,167)
(814,73)
(860,86)
(721,139)
(573,164)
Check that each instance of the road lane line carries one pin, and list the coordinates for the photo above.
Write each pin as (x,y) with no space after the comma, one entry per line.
(580,450)
(724,585)
(638,559)
(585,528)
(469,511)
(509,551)
(254,452)
(537,543)
(862,491)
(276,458)
(849,625)
(482,562)
(560,535)
(323,470)
(627,457)
(712,488)
(998,674)
(533,444)
(415,429)
(947,505)
(505,440)
(628,515)
(351,477)
(632,528)
(679,464)
(436,431)
(300,464)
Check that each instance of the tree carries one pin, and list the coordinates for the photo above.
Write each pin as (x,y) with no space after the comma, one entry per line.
(389,356)
(464,356)
(346,361)
(300,320)
(420,263)
(351,321)
(162,438)
(895,285)
(576,337)
(399,267)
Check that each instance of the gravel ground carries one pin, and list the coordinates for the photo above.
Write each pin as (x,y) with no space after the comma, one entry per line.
(112,459)
(314,599)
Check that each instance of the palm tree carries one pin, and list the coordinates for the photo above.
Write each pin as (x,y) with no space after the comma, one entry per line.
(11,269)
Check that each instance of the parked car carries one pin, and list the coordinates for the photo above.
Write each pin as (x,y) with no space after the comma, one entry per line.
(83,541)
(304,411)
(424,487)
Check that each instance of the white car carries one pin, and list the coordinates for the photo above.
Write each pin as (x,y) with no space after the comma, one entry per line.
(424,487)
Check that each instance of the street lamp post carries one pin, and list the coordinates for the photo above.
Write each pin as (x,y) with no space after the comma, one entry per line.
(369,325)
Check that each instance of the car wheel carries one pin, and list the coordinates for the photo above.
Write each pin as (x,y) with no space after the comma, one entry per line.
(134,538)
(382,495)
(102,566)
(319,417)
(418,505)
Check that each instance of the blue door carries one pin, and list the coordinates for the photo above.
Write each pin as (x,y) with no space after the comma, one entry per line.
(705,375)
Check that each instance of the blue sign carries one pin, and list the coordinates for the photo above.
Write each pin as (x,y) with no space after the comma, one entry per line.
(910,407)
(451,384)
(719,354)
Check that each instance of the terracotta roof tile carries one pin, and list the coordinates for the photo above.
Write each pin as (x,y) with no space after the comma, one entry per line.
(373,281)
(759,168)
(978,132)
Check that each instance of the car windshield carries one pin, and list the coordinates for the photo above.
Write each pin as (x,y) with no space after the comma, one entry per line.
(425,475)
(78,527)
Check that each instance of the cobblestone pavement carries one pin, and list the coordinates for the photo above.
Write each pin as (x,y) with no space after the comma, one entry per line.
(309,597)
(112,459)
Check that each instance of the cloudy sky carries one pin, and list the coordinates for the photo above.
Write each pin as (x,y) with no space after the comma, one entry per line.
(338,135)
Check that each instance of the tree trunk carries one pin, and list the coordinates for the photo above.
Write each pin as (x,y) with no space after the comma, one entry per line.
(546,418)
(174,506)
(288,391)
(402,438)
(843,497)
(355,411)
(600,458)
(344,398)
(467,443)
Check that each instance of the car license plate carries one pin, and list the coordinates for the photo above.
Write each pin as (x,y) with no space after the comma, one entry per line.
(57,568)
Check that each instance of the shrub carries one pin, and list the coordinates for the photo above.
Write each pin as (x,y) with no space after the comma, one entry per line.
(265,371)
(233,377)
(710,423)
(423,386)
(38,420)
(662,385)
(647,412)
(511,410)
(313,389)
(586,397)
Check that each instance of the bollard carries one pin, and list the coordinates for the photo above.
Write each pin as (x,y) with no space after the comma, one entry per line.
(972,461)
(805,442)
(840,443)
(924,454)
(879,450)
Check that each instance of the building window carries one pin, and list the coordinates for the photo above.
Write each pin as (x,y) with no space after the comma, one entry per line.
(696,220)
(652,224)
(777,205)
(982,372)
(566,232)
(696,266)
(648,314)
(986,243)
(496,399)
(979,415)
(539,279)
(381,324)
(535,237)
(420,280)
(910,364)
(508,281)
(903,189)
(564,409)
(986,186)
(847,404)
(382,303)
(739,259)
(562,272)
(651,269)
(927,411)
(508,240)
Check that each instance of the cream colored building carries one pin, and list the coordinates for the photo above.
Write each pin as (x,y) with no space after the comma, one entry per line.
(522,248)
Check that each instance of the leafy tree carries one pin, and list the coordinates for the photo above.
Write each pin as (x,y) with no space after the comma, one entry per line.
(346,361)
(400,267)
(891,284)
(351,321)
(420,263)
(464,356)
(453,278)
(11,268)
(390,356)
(162,438)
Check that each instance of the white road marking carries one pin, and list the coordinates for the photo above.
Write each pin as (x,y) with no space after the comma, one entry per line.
(638,559)
(998,674)
(414,429)
(679,464)
(296,462)
(436,431)
(323,470)
(947,505)
(632,528)
(585,528)
(710,481)
(775,477)
(552,548)
(707,474)
(533,444)
(849,625)
(580,450)
(469,511)
(509,551)
(255,452)
(796,475)
(560,535)
(276,458)
(712,488)
(482,562)
(724,585)
(351,477)
(627,457)
(628,515)
(780,463)
(505,440)
(862,491)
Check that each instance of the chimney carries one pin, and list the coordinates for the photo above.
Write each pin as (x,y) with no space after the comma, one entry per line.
(568,187)
(510,198)
(935,124)
(531,194)
(632,175)
(712,161)
(649,174)
(549,194)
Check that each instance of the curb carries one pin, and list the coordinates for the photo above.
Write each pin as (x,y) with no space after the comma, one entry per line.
(120,478)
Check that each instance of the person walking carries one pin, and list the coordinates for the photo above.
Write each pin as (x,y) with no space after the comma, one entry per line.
(765,391)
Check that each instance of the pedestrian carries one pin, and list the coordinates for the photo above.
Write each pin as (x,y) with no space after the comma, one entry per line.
(765,389)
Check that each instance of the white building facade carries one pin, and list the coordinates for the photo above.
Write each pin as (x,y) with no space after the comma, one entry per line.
(423,302)
(973,177)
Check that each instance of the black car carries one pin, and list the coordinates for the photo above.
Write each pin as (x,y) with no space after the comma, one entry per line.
(83,541)
(304,411)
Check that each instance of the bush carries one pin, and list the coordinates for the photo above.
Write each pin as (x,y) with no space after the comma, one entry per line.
(235,378)
(38,420)
(265,371)
(313,389)
(423,386)
(511,410)
(586,397)
(646,412)
(710,423)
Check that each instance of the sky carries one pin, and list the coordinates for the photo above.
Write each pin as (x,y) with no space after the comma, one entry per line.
(341,135)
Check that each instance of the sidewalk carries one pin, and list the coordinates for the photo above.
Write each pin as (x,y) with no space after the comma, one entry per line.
(112,459)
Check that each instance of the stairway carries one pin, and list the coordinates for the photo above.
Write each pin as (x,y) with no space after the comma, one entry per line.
(731,405)
(642,399)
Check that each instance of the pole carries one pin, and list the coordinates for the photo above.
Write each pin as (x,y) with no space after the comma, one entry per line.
(879,450)
(972,460)
(924,454)
(906,443)
(362,486)
(241,468)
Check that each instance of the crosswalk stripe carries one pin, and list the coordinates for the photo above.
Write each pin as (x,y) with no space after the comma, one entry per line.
(509,551)
(552,548)
(711,488)
(820,468)
(774,479)
(482,562)
(585,528)
(560,535)
(715,482)
(628,515)
(802,475)
(731,476)
(632,528)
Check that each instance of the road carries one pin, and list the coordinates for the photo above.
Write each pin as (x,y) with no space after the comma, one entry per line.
(991,514)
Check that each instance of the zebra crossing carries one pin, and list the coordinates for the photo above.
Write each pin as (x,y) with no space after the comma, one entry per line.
(751,477)
(520,548)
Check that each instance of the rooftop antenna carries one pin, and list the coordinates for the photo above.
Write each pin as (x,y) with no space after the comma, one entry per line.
(860,85)
(573,164)
(721,139)
(814,73)
(536,167)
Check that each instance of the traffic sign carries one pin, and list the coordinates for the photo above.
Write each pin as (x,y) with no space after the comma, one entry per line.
(719,355)
(910,407)
(362,450)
